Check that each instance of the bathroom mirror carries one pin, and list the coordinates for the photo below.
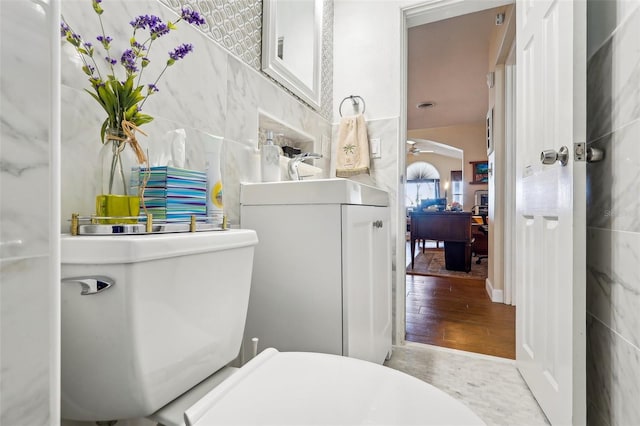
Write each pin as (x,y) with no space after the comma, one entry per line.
(292,45)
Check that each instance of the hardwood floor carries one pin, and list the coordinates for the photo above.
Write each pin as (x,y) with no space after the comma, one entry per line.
(457,313)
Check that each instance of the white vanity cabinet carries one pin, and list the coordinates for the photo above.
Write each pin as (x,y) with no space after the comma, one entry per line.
(322,270)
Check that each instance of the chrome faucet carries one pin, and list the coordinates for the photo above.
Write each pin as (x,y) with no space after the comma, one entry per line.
(293,163)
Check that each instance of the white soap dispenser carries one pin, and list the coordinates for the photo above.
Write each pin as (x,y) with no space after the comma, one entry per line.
(270,160)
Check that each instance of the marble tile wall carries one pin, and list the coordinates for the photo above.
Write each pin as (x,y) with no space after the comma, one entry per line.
(27,336)
(237,26)
(613,232)
(209,92)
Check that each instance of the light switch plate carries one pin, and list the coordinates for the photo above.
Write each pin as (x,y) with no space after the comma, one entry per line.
(375,148)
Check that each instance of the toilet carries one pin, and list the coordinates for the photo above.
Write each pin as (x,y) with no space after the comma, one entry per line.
(150,324)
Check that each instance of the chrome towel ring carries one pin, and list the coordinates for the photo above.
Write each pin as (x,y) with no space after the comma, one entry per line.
(354,102)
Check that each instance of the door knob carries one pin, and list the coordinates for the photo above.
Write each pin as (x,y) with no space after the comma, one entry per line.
(549,156)
(594,155)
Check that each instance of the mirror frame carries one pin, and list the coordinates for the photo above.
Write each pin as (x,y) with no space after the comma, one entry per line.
(273,66)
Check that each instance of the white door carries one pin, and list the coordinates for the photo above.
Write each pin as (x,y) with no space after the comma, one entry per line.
(550,206)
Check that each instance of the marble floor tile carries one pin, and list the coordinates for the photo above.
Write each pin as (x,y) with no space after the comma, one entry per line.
(490,386)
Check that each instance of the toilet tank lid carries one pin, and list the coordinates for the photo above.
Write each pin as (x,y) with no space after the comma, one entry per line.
(111,249)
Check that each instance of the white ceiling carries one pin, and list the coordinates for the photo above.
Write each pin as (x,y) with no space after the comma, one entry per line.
(448,62)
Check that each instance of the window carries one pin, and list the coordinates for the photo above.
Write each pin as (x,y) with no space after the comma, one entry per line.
(423,182)
(456,186)
(421,190)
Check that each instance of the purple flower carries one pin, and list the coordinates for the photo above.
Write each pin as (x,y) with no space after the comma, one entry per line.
(74,38)
(88,69)
(138,46)
(153,88)
(128,61)
(111,60)
(180,51)
(192,17)
(87,45)
(145,21)
(159,30)
(64,28)
(105,40)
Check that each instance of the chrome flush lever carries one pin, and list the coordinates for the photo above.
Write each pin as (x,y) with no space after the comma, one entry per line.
(92,284)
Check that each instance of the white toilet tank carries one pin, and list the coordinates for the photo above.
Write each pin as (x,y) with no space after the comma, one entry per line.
(174,315)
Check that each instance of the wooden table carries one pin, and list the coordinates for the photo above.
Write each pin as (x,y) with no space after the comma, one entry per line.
(452,227)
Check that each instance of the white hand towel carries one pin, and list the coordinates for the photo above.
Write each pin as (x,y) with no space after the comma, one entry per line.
(352,156)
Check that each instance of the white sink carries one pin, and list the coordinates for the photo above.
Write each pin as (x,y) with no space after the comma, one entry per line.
(321,191)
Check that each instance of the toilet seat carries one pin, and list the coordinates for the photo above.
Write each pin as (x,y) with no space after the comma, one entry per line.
(300,388)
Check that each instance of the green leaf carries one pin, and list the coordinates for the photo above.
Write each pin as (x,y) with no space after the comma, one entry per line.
(108,99)
(131,112)
(141,119)
(103,129)
(171,26)
(97,8)
(95,97)
(72,40)
(128,85)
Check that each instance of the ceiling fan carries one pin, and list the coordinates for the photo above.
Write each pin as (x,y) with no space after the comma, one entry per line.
(416,151)
(413,148)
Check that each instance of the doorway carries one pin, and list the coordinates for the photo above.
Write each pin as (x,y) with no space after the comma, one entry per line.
(451,119)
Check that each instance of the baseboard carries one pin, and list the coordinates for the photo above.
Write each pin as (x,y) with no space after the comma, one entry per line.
(496,296)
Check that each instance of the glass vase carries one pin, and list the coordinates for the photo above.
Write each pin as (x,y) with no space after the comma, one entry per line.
(119,199)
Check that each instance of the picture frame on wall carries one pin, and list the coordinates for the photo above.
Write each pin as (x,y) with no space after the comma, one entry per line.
(479,172)
(489,131)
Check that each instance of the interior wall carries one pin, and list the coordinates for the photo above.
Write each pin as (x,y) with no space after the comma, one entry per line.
(470,138)
(502,37)
(613,213)
(29,254)
(367,64)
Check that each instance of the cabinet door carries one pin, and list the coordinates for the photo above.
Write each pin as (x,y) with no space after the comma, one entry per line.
(296,295)
(366,282)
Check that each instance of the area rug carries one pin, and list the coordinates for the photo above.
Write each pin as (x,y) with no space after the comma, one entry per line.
(431,262)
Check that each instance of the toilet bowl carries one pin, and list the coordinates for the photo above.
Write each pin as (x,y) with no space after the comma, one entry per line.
(151,322)
(304,388)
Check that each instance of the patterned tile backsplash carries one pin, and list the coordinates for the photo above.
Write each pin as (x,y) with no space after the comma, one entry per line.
(234,24)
